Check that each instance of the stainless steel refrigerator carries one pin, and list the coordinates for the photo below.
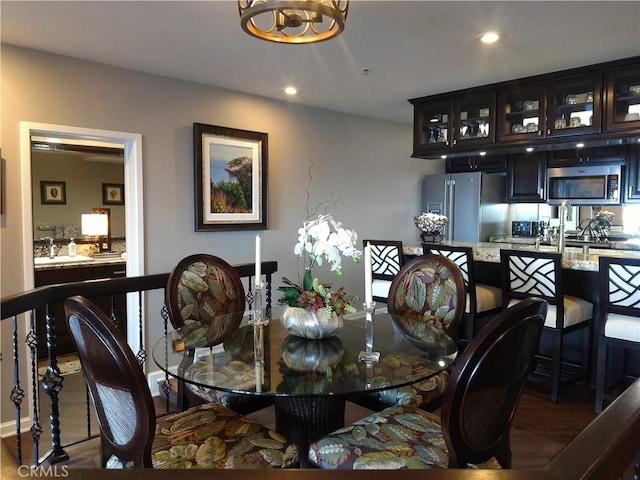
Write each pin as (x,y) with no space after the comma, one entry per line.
(474,203)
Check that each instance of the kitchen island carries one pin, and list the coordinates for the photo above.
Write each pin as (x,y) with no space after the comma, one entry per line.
(580,279)
(573,258)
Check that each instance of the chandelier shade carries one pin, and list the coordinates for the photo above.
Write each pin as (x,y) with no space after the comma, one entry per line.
(293,21)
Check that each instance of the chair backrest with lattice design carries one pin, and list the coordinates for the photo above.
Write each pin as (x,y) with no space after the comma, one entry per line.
(533,274)
(386,260)
(619,286)
(486,383)
(117,384)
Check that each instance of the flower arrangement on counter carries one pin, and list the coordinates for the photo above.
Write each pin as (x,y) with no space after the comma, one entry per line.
(597,228)
(319,240)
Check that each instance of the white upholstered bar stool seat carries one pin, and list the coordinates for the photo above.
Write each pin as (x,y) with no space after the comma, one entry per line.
(576,310)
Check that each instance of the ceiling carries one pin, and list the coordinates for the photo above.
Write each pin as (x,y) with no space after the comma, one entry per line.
(410,48)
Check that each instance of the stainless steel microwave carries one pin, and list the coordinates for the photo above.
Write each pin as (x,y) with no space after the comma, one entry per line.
(584,185)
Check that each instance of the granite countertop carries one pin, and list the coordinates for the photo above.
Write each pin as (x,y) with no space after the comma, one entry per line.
(573,258)
(65,262)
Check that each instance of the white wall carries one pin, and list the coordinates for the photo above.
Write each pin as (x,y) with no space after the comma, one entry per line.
(362,162)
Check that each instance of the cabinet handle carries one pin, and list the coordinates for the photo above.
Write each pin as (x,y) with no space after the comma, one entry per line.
(119,272)
(630,191)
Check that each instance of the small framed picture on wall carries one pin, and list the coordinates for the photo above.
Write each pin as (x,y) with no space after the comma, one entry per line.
(113,193)
(53,193)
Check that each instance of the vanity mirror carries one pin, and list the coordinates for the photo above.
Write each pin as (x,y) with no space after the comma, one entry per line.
(83,167)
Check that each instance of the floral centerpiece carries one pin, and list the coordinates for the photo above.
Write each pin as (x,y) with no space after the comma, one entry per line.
(315,310)
(597,228)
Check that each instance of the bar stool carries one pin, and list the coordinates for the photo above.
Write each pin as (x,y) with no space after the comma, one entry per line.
(619,315)
(481,298)
(386,261)
(539,274)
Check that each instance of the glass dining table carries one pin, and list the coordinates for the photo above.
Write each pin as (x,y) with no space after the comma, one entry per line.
(309,380)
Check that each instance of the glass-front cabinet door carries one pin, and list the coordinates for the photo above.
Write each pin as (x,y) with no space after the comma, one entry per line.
(521,113)
(475,119)
(432,126)
(574,106)
(622,111)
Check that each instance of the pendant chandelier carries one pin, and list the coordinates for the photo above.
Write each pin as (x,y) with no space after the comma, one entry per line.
(293,21)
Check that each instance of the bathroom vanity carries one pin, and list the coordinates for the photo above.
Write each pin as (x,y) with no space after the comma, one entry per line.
(67,269)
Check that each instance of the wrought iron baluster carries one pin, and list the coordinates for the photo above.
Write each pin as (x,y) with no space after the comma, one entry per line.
(17,394)
(36,429)
(52,385)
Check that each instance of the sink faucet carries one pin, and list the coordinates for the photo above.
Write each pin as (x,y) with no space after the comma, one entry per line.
(52,248)
(564,211)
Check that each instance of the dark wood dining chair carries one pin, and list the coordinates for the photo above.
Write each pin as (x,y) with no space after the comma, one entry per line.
(386,260)
(477,408)
(539,274)
(426,302)
(205,436)
(204,288)
(482,300)
(618,325)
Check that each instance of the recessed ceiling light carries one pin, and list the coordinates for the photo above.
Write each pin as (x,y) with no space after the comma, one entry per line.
(489,37)
(579,145)
(482,154)
(529,149)
(290,90)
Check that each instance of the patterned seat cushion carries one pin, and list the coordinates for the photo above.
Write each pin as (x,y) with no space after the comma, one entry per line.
(398,365)
(399,437)
(213,436)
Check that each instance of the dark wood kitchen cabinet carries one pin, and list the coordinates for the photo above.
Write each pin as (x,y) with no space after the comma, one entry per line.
(574,106)
(51,276)
(482,163)
(622,102)
(632,193)
(595,104)
(614,154)
(526,177)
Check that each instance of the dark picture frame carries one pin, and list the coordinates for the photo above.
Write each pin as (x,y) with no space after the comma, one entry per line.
(53,192)
(230,178)
(113,193)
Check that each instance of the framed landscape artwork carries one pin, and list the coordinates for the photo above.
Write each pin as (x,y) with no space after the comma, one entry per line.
(230,177)
(113,193)
(53,193)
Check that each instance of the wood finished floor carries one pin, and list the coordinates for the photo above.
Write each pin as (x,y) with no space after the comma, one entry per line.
(539,431)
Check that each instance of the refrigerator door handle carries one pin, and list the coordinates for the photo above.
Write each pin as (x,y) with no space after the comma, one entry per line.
(449,207)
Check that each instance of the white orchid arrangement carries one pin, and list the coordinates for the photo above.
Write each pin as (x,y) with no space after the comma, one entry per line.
(319,240)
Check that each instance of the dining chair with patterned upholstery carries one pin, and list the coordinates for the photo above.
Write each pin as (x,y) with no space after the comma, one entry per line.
(205,436)
(482,299)
(539,274)
(618,327)
(473,429)
(203,289)
(386,260)
(426,300)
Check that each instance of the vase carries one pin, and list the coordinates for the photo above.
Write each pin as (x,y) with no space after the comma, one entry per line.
(311,355)
(314,325)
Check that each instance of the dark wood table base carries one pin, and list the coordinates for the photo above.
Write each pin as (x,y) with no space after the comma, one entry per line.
(306,419)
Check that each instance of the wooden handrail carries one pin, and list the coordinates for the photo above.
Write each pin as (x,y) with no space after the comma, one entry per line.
(23,302)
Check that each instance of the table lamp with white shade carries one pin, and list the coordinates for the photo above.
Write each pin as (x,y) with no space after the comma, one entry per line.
(97,225)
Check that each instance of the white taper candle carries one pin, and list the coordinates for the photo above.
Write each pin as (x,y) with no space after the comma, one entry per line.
(368,296)
(258,261)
